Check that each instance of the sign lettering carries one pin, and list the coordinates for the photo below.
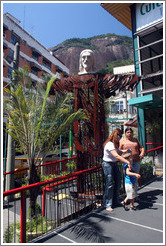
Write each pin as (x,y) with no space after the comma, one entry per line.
(146,8)
(147,14)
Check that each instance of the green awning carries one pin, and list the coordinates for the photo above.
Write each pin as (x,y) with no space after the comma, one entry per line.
(117,119)
(146,102)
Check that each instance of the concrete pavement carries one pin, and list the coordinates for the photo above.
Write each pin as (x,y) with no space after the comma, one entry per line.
(145,225)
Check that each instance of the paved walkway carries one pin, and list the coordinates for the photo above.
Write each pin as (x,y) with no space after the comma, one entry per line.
(145,225)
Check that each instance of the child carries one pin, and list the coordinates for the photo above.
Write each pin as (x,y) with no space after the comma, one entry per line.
(130,185)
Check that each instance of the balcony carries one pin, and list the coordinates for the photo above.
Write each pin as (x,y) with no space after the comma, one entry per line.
(10,58)
(35,66)
(5,45)
(34,77)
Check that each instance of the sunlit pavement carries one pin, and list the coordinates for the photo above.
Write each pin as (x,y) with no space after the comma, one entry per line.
(145,225)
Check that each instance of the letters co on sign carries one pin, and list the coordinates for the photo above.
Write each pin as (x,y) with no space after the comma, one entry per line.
(147,14)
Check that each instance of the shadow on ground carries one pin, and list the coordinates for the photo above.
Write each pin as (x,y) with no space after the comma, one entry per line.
(91,230)
(148,199)
(85,228)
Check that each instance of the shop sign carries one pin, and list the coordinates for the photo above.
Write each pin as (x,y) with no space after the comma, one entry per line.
(147,14)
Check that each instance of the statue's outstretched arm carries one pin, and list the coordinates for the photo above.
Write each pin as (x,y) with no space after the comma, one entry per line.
(61,85)
(113,83)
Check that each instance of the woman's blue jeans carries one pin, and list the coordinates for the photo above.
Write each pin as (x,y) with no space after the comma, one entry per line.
(113,183)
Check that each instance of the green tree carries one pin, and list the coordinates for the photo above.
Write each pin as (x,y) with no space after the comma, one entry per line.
(36,121)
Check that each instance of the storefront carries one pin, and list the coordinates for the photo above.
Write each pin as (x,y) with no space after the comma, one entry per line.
(145,20)
(147,28)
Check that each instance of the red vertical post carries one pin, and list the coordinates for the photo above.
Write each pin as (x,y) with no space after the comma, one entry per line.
(44,200)
(23,218)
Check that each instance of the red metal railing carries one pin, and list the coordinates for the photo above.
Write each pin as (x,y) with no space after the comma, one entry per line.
(21,167)
(51,188)
(149,151)
(157,148)
(92,184)
(154,143)
(47,164)
(154,152)
(54,167)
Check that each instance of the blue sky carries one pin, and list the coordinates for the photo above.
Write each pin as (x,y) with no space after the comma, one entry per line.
(52,23)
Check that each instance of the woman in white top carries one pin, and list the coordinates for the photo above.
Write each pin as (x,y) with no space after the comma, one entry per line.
(111,170)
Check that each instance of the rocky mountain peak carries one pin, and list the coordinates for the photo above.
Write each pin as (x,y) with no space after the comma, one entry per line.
(107,48)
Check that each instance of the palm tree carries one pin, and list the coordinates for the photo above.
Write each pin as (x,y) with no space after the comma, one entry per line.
(35,121)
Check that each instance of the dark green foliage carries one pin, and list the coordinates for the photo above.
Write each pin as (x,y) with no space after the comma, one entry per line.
(79,42)
(38,210)
(47,177)
(86,43)
(34,228)
(8,234)
(146,170)
(36,121)
(71,165)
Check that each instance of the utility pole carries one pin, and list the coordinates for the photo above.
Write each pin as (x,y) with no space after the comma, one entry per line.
(11,144)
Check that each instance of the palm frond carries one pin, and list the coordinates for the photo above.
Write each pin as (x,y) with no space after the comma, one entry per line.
(49,84)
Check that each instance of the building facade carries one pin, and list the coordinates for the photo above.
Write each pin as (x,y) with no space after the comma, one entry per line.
(34,55)
(120,110)
(145,20)
(39,61)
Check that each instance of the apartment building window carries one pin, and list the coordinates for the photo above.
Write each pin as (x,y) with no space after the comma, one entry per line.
(117,108)
(151,60)
(14,39)
(35,56)
(10,57)
(46,64)
(4,31)
(4,34)
(131,109)
(24,42)
(34,82)
(33,71)
(9,72)
(151,51)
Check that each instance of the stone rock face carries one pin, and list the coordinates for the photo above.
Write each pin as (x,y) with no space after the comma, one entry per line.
(107,49)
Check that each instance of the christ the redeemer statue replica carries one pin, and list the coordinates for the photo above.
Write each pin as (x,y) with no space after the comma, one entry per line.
(90,90)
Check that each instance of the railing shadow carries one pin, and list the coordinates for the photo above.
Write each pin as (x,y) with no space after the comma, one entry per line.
(148,199)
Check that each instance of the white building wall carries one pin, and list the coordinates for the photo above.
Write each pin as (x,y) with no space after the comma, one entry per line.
(124,69)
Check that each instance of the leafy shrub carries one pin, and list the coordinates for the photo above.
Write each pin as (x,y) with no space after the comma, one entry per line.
(8,234)
(38,210)
(47,177)
(146,169)
(37,226)
(71,165)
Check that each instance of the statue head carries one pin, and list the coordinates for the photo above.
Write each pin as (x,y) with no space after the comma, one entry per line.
(87,62)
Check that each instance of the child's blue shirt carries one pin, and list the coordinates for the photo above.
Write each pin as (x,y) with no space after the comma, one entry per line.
(129,179)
